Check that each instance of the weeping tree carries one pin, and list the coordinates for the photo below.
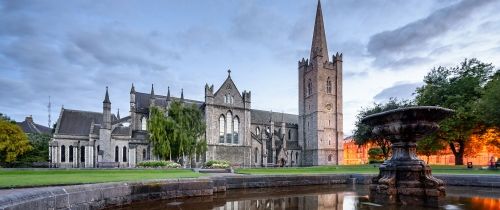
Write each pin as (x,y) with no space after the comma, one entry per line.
(363,133)
(178,135)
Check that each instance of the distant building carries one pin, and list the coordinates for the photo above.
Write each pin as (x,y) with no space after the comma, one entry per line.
(234,131)
(29,126)
(355,154)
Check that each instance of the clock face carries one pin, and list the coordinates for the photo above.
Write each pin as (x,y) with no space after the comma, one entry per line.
(328,107)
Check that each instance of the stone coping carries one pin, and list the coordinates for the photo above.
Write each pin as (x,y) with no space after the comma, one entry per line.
(98,196)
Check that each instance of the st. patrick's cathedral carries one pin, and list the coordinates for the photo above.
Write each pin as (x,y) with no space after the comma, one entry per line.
(234,131)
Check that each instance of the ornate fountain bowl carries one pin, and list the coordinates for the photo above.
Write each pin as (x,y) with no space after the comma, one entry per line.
(407,124)
(405,178)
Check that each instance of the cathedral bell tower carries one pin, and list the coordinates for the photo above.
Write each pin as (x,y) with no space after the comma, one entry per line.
(320,102)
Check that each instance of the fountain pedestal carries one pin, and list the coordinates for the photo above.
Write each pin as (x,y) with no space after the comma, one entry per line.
(405,178)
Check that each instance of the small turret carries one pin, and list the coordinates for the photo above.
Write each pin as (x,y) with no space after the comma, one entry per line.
(168,93)
(152,96)
(106,111)
(118,113)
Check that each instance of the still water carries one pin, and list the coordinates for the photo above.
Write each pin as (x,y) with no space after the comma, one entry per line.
(337,197)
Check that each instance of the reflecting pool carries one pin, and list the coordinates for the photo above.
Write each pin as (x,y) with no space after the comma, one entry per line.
(318,197)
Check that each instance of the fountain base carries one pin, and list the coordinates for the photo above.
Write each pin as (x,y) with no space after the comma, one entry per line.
(408,182)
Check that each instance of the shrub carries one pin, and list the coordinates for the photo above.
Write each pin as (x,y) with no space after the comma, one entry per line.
(217,164)
(158,164)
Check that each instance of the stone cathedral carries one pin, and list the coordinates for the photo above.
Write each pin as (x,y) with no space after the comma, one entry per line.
(234,131)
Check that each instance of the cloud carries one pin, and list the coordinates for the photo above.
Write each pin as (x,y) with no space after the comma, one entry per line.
(392,46)
(400,90)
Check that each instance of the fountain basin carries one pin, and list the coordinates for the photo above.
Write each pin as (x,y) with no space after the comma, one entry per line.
(405,178)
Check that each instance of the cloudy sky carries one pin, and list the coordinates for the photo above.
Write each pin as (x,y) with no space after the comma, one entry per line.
(72,50)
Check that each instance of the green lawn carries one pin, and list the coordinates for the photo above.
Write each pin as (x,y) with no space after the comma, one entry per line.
(28,178)
(360,169)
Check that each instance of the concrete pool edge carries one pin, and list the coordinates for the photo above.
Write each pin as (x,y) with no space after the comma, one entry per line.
(100,195)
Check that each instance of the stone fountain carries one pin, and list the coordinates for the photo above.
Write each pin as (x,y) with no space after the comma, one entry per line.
(405,178)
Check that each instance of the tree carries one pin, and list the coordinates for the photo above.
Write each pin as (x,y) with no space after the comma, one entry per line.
(429,146)
(363,133)
(179,134)
(157,133)
(457,88)
(13,141)
(488,106)
(6,118)
(40,151)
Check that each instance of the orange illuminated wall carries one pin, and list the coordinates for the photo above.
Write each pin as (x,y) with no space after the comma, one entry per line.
(481,151)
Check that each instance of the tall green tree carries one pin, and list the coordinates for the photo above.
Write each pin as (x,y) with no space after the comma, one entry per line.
(363,133)
(178,135)
(13,141)
(488,106)
(457,88)
(158,133)
(40,151)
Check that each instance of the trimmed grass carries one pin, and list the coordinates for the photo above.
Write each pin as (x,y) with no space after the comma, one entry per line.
(359,169)
(32,178)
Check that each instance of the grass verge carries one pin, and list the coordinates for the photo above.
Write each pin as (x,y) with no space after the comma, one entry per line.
(358,169)
(35,178)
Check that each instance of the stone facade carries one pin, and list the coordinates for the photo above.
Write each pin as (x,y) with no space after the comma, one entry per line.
(234,131)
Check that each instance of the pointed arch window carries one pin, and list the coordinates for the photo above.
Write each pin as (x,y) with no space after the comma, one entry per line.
(328,85)
(124,154)
(82,154)
(289,134)
(144,123)
(229,127)
(63,153)
(71,154)
(236,130)
(257,131)
(116,154)
(309,87)
(222,128)
(256,155)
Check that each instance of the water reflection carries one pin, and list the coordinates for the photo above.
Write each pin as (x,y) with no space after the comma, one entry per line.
(338,197)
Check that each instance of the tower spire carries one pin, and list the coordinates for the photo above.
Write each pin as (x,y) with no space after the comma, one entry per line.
(106,97)
(318,46)
(132,89)
(118,113)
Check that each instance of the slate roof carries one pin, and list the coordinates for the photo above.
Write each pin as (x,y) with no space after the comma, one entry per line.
(142,101)
(78,122)
(121,131)
(263,117)
(29,126)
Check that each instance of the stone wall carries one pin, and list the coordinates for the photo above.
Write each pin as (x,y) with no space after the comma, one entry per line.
(98,196)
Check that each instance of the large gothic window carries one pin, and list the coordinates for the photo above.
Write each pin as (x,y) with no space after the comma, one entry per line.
(309,87)
(236,130)
(257,131)
(222,128)
(328,85)
(229,127)
(144,123)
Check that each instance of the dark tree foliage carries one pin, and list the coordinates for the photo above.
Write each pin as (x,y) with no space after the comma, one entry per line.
(488,107)
(458,88)
(40,151)
(363,133)
(429,146)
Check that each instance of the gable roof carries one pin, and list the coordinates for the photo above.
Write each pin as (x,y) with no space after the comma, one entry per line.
(78,122)
(231,82)
(29,126)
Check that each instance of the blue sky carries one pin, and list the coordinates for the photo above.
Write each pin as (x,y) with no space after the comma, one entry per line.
(72,50)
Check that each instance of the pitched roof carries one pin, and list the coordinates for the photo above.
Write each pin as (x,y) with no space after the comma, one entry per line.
(143,100)
(29,126)
(78,122)
(263,117)
(121,131)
